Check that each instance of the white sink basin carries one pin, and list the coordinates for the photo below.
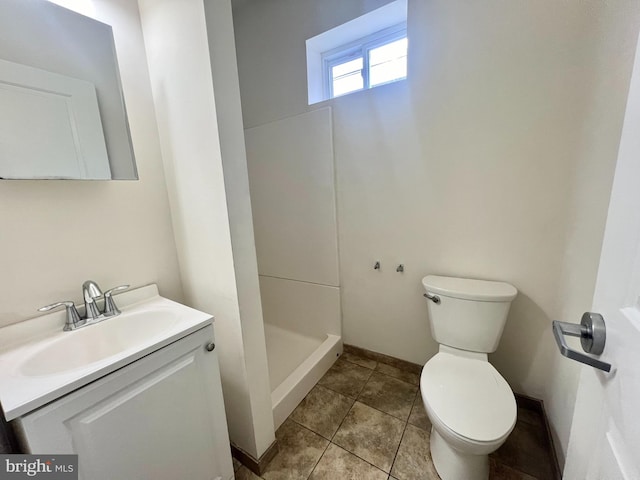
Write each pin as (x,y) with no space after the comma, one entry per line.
(94,343)
(40,363)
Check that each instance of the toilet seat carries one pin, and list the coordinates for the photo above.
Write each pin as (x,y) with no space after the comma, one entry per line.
(468,399)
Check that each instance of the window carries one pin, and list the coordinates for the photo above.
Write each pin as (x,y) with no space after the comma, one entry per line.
(363,53)
(371,61)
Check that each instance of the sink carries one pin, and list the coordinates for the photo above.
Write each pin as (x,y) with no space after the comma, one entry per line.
(39,362)
(97,342)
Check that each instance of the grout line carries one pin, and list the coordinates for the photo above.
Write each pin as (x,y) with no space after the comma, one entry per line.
(315,433)
(356,399)
(307,428)
(326,388)
(359,391)
(319,458)
(365,461)
(330,441)
(404,430)
(378,362)
(365,384)
(413,405)
(396,378)
(386,413)
(335,391)
(342,421)
(354,363)
(375,369)
(355,454)
(380,411)
(411,367)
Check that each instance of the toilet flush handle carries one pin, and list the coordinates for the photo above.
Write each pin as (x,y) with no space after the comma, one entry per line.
(434,298)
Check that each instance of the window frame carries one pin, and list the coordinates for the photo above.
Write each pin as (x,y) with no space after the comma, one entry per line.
(356,49)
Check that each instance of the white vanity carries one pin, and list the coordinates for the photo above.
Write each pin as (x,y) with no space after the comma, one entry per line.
(137,396)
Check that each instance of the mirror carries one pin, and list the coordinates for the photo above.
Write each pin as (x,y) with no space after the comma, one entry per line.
(62,111)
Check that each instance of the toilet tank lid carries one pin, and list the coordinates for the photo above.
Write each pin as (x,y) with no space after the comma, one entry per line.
(470,289)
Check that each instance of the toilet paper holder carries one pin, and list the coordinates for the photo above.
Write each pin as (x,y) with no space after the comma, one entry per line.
(593,335)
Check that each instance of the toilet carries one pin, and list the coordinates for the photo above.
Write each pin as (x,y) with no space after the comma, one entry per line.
(471,407)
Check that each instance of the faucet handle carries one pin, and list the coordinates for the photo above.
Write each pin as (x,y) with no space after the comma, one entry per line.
(113,290)
(110,308)
(73,317)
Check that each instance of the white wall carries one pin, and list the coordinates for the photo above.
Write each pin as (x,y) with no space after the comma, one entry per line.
(494,160)
(208,187)
(56,234)
(222,55)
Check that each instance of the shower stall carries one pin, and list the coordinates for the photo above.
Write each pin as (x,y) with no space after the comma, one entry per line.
(292,183)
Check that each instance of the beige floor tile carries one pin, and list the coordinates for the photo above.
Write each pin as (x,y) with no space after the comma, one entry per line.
(371,435)
(236,464)
(389,394)
(359,360)
(322,411)
(346,378)
(337,463)
(299,451)
(403,375)
(418,415)
(413,461)
(243,473)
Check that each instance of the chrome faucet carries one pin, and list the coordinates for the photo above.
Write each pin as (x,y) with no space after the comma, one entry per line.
(91,293)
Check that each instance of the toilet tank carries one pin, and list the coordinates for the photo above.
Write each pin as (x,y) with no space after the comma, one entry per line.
(471,314)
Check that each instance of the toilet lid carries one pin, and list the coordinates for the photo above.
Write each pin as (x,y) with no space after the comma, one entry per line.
(469,396)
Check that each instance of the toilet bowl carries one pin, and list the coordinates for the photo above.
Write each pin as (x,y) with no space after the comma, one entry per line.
(472,410)
(471,407)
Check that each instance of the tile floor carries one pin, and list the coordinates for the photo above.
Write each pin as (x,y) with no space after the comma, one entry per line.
(365,420)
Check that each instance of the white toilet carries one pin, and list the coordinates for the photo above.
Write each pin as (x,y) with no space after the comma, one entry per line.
(471,407)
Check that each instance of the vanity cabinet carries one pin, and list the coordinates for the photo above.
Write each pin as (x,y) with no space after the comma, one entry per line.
(159,418)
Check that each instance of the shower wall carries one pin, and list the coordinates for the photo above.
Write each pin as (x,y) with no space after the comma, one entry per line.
(291,176)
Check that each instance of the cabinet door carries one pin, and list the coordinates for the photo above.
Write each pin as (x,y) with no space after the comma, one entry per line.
(161,417)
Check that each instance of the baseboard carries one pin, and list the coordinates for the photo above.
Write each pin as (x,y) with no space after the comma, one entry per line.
(256,466)
(382,358)
(536,405)
(529,403)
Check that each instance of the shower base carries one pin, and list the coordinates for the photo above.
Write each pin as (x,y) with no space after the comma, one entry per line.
(296,363)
